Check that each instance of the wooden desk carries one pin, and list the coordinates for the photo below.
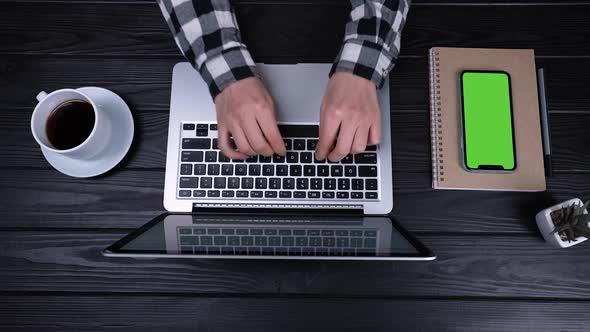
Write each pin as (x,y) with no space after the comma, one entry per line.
(494,272)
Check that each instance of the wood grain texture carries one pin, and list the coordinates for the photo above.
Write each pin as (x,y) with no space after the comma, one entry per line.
(103,29)
(128,199)
(482,266)
(131,313)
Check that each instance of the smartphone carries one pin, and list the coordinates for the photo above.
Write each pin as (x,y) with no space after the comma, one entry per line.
(487,121)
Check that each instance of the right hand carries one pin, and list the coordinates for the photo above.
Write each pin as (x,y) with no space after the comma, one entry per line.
(245,111)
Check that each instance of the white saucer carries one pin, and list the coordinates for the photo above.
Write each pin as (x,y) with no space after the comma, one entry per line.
(117,148)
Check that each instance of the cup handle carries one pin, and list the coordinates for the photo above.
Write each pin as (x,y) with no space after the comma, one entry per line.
(41,95)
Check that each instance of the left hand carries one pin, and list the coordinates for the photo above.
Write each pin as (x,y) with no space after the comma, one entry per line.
(349,117)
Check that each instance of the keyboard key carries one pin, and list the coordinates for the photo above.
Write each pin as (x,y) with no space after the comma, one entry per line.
(227,169)
(315,241)
(294,251)
(330,184)
(254,170)
(213,193)
(215,144)
(368,171)
(299,131)
(342,194)
(189,182)
(327,232)
(227,250)
(288,183)
(186,169)
(313,232)
(312,144)
(247,240)
(357,184)
(227,193)
(274,241)
(315,183)
(233,183)
(198,193)
(370,233)
(301,241)
(365,158)
(306,157)
(270,232)
(241,169)
(284,194)
(371,195)
(341,232)
(284,232)
(200,169)
(260,241)
(228,231)
(274,183)
(347,159)
(264,159)
(370,243)
(328,194)
(335,252)
(371,148)
(202,126)
(268,170)
(295,170)
(288,241)
(242,193)
(336,170)
(219,240)
(199,231)
(313,194)
(242,231)
(202,132)
(213,169)
(261,183)
(309,170)
(329,242)
(282,170)
(299,194)
(299,144)
(241,251)
(211,156)
(184,193)
(270,194)
(192,156)
(344,184)
(256,231)
(356,195)
(350,171)
(188,126)
(315,159)
(233,240)
(288,144)
(292,157)
(213,126)
(342,242)
(323,170)
(302,183)
(206,182)
(196,143)
(206,240)
(222,158)
(278,159)
(247,183)
(371,184)
(256,194)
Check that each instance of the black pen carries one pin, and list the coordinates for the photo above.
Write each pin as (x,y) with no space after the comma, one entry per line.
(544,123)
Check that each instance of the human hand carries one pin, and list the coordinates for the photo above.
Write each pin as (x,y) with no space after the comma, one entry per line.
(245,111)
(350,113)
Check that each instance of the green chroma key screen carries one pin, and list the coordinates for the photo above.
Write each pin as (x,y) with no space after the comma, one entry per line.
(488,137)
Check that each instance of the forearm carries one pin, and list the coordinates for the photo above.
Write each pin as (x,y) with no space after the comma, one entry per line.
(372,39)
(207,33)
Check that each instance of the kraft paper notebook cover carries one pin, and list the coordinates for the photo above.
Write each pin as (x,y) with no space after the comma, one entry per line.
(448,172)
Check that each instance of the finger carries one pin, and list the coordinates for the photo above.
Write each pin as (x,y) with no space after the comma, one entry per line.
(344,143)
(255,137)
(269,127)
(328,133)
(225,146)
(359,144)
(242,141)
(375,132)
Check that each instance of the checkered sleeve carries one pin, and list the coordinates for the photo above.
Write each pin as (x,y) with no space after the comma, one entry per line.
(372,39)
(207,33)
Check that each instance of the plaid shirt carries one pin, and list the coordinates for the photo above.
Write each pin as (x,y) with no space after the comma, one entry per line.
(207,33)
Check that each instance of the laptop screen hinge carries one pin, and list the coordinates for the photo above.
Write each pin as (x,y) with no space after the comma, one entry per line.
(279,209)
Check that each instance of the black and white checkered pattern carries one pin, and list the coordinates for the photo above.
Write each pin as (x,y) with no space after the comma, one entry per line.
(207,33)
(372,39)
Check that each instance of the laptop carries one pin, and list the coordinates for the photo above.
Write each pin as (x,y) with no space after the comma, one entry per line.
(280,207)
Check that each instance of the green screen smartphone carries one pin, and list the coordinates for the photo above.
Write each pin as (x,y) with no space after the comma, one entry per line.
(488,130)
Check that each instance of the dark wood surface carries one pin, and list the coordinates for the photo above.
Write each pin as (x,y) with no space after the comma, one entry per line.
(493,271)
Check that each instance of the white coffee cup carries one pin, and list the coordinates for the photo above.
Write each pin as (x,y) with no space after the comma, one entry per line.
(94,143)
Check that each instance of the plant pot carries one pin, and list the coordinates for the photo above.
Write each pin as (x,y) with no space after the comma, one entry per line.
(546,225)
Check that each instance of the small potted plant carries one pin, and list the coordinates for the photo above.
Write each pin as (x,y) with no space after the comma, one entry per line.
(565,224)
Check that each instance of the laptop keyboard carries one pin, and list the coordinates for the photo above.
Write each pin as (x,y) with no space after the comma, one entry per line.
(277,241)
(205,173)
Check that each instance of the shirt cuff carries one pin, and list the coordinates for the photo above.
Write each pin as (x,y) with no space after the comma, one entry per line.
(365,59)
(229,66)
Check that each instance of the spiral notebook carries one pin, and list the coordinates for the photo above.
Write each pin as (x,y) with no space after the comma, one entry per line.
(446,64)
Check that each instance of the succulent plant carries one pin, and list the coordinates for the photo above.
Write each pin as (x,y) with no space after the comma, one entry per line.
(571,222)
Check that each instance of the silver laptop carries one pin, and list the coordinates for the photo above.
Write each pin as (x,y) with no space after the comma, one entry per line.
(271,207)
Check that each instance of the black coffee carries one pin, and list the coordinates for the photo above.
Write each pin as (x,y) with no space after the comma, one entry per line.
(70,124)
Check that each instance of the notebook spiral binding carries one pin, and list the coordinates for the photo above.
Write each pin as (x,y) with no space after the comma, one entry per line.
(436,119)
